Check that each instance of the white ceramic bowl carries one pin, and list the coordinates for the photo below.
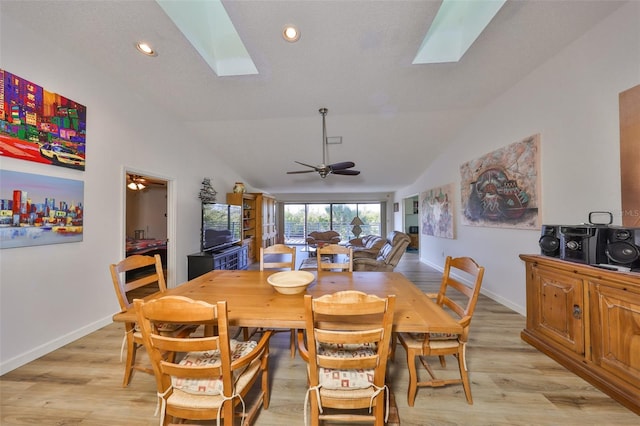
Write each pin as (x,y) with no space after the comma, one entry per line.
(291,282)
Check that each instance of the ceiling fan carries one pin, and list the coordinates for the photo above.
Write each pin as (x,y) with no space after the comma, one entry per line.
(326,169)
(138,183)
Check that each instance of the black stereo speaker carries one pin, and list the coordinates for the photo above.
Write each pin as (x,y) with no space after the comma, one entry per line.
(549,241)
(584,244)
(623,246)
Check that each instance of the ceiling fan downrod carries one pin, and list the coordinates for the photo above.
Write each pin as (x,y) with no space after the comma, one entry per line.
(325,169)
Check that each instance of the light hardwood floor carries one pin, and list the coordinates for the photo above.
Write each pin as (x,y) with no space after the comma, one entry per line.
(512,383)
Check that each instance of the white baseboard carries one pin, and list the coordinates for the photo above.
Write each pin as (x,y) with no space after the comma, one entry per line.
(37,352)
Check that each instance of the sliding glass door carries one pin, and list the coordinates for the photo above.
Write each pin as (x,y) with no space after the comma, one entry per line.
(302,219)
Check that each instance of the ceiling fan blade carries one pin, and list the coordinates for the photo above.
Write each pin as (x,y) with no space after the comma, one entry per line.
(346,172)
(300,171)
(308,165)
(342,166)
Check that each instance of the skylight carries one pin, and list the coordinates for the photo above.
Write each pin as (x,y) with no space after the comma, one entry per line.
(208,27)
(456,26)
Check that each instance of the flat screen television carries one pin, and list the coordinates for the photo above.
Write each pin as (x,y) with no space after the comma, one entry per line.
(221,226)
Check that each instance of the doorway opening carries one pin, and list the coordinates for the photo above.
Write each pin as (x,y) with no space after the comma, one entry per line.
(411,219)
(147,227)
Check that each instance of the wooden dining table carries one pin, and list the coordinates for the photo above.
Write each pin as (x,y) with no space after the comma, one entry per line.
(253,302)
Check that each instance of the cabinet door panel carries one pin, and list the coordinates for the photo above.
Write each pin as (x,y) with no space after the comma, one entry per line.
(560,306)
(616,331)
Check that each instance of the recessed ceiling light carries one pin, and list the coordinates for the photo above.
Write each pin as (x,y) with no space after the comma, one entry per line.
(146,49)
(291,34)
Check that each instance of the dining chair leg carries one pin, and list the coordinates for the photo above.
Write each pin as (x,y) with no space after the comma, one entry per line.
(379,409)
(413,377)
(464,375)
(292,342)
(443,361)
(130,360)
(266,390)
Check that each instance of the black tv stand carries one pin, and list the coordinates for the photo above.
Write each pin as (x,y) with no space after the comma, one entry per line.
(234,257)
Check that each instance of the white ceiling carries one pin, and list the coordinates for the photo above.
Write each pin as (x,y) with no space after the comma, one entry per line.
(354,57)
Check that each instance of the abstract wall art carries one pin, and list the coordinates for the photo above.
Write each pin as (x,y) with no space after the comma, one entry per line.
(39,210)
(502,188)
(437,211)
(37,125)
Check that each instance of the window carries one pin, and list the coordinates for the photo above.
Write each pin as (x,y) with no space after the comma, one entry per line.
(301,219)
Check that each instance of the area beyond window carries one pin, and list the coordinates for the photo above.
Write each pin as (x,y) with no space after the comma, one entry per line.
(301,219)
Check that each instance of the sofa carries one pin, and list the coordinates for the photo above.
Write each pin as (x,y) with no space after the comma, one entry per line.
(390,254)
(322,238)
(367,246)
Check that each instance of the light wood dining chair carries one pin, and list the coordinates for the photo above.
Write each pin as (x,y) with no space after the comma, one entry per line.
(278,256)
(208,377)
(348,334)
(334,257)
(281,257)
(136,276)
(459,299)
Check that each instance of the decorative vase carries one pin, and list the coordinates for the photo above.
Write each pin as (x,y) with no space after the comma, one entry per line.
(239,188)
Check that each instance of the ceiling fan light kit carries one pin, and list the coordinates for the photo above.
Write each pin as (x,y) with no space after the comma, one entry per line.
(324,169)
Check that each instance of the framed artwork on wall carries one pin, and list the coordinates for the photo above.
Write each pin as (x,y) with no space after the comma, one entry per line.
(396,207)
(37,125)
(437,211)
(502,188)
(629,104)
(38,210)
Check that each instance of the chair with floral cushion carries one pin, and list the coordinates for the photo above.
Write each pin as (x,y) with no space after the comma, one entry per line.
(209,377)
(348,334)
(135,276)
(459,299)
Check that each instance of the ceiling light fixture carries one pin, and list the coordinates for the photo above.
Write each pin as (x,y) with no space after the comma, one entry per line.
(136,186)
(146,49)
(291,34)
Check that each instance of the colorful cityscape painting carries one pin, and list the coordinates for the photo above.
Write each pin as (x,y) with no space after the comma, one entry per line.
(38,210)
(37,125)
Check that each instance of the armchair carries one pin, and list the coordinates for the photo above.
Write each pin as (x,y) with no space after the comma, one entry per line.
(389,255)
(322,238)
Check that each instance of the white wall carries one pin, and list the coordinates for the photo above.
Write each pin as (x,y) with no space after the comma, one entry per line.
(147,210)
(572,101)
(51,295)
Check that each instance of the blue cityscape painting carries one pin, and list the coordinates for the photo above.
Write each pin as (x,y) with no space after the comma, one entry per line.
(38,210)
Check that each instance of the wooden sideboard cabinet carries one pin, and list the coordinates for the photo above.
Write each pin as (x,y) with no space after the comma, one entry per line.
(415,241)
(587,319)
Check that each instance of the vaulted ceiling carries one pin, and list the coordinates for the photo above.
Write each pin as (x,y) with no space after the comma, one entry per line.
(354,58)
